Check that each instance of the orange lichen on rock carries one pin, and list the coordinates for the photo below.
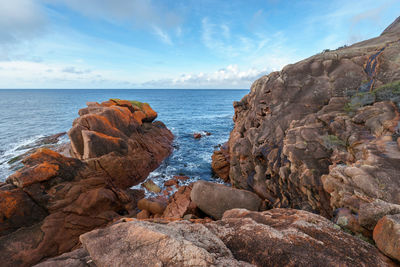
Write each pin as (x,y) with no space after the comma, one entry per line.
(35,174)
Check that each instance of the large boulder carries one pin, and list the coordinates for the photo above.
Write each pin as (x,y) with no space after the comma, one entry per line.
(387,235)
(215,199)
(147,244)
(118,136)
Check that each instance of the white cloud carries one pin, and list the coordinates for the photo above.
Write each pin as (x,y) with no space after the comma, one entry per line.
(20,20)
(27,74)
(230,77)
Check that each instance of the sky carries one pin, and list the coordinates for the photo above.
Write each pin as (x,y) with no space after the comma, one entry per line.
(173,43)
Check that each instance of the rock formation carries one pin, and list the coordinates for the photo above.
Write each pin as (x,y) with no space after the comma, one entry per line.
(278,237)
(53,199)
(322,133)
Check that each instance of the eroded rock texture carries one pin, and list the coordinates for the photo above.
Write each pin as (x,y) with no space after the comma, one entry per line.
(53,199)
(323,133)
(278,237)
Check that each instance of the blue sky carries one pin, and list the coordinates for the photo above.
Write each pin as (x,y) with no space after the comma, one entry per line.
(173,44)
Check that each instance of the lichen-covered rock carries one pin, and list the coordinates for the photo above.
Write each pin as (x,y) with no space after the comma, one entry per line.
(215,199)
(387,235)
(118,137)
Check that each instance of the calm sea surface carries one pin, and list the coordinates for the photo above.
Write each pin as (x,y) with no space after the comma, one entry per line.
(28,115)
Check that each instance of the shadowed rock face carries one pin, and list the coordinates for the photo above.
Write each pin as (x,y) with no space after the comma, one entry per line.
(53,199)
(322,133)
(278,237)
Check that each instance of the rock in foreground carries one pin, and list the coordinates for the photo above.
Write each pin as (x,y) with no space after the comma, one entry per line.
(278,237)
(387,235)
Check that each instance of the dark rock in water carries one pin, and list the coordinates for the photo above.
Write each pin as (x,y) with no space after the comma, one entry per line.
(46,205)
(215,199)
(197,135)
(387,235)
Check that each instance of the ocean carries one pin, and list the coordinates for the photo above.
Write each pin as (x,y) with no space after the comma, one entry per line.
(29,115)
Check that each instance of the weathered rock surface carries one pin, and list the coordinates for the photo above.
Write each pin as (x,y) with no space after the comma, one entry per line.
(180,204)
(77,258)
(148,244)
(322,134)
(387,235)
(215,199)
(278,237)
(53,199)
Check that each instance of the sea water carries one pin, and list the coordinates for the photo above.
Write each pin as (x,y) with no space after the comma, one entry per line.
(28,115)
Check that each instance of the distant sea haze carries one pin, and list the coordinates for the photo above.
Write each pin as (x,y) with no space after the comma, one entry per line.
(28,115)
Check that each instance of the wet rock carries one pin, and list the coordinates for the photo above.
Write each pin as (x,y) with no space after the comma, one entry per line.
(171,182)
(197,135)
(387,235)
(215,199)
(149,244)
(151,186)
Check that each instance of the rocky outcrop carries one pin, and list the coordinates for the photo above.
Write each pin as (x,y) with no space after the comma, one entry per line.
(322,134)
(53,199)
(278,237)
(117,137)
(215,199)
(387,235)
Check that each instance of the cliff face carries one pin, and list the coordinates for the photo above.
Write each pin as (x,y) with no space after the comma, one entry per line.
(323,133)
(53,199)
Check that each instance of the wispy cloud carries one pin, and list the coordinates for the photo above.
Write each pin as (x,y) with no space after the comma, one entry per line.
(162,35)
